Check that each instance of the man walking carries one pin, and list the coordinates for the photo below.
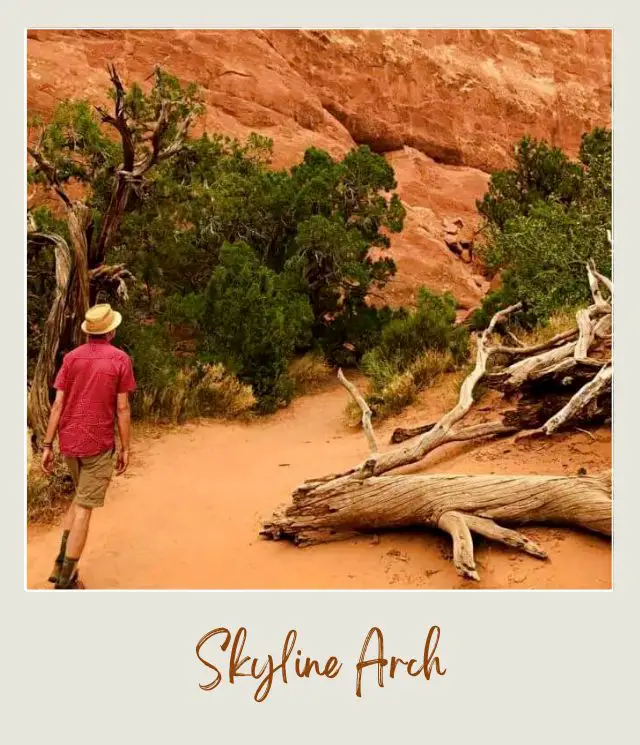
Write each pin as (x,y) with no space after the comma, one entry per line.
(92,394)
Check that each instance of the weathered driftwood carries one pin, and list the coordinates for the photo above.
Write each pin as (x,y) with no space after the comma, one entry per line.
(580,401)
(456,504)
(365,499)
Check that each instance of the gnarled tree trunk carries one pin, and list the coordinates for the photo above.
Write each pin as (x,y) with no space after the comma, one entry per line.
(80,268)
(38,404)
(69,305)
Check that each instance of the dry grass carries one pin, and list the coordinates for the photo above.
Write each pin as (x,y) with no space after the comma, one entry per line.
(47,496)
(559,322)
(401,389)
(396,395)
(309,373)
(204,391)
(429,366)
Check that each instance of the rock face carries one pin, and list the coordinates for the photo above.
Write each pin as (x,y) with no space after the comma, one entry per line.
(444,106)
(431,191)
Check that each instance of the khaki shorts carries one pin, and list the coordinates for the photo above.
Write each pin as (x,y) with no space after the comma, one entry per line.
(91,477)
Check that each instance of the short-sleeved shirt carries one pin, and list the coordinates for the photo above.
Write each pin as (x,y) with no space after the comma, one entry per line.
(91,377)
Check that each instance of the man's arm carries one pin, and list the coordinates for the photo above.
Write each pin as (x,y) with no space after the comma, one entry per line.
(52,428)
(124,430)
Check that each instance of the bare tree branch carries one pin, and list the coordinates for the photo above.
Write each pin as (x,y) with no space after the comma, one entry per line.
(364,407)
(601,304)
(119,119)
(49,172)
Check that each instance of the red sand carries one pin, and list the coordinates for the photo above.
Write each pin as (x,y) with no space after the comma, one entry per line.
(187,514)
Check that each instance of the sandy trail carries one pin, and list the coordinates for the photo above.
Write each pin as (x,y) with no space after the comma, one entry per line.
(187,513)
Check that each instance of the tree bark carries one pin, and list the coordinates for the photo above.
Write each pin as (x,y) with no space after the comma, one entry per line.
(348,506)
(70,303)
(38,402)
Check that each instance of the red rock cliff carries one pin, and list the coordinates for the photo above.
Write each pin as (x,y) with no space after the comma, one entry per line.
(445,106)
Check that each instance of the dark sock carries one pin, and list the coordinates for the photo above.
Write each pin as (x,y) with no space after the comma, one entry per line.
(60,557)
(66,578)
(63,545)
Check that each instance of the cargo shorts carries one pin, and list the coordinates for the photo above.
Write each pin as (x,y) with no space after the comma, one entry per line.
(91,477)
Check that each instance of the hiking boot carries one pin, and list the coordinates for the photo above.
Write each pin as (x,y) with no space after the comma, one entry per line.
(55,572)
(74,584)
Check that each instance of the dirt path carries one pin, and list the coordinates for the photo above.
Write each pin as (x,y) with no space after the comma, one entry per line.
(188,512)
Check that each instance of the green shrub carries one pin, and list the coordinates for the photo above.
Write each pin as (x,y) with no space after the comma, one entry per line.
(253,321)
(317,221)
(173,389)
(430,326)
(309,372)
(154,364)
(354,331)
(540,174)
(414,349)
(545,218)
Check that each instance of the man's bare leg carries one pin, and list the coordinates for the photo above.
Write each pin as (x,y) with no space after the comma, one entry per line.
(79,531)
(75,546)
(67,524)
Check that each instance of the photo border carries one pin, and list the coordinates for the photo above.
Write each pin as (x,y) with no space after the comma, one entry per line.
(524,661)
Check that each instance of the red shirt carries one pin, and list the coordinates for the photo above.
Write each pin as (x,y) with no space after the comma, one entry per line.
(91,376)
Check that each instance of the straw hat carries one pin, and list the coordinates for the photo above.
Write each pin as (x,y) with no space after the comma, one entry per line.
(101,319)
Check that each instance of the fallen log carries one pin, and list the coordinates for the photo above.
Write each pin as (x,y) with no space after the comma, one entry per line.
(459,505)
(365,498)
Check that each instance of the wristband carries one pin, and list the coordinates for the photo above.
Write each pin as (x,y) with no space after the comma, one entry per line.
(46,445)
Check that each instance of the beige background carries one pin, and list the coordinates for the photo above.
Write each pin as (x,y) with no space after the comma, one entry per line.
(121,667)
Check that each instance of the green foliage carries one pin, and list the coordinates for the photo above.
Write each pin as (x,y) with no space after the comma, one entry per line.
(74,143)
(172,388)
(149,346)
(354,331)
(253,264)
(310,230)
(545,218)
(540,174)
(430,327)
(253,320)
(545,255)
(317,223)
(413,350)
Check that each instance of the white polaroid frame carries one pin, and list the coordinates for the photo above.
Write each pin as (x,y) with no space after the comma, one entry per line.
(122,666)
